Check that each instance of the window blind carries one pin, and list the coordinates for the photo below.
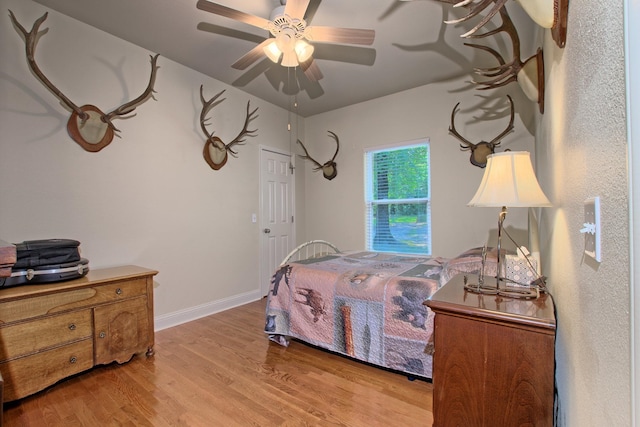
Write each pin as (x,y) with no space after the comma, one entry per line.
(397,199)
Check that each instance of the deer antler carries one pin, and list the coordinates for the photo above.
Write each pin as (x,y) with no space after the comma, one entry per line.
(206,107)
(529,74)
(337,145)
(30,38)
(240,139)
(329,168)
(467,145)
(88,125)
(128,107)
(215,151)
(474,11)
(547,14)
(482,149)
(307,156)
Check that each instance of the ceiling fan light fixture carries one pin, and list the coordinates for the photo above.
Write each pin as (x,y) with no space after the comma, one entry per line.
(289,30)
(272,52)
(304,50)
(289,59)
(286,40)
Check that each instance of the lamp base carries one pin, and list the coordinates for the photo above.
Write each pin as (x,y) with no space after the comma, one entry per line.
(519,293)
(477,288)
(492,288)
(481,287)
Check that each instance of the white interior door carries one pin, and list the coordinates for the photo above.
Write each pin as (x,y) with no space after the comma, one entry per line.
(276,212)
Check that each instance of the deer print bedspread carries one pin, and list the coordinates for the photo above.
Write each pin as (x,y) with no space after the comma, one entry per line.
(365,305)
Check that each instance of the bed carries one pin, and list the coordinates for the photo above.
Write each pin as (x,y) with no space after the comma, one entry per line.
(361,304)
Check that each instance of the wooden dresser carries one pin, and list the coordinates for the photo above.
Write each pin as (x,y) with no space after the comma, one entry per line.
(7,259)
(51,331)
(494,359)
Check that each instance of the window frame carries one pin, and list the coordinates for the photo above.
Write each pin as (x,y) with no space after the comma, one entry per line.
(369,201)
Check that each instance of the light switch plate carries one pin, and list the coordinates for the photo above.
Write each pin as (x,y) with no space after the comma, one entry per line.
(592,223)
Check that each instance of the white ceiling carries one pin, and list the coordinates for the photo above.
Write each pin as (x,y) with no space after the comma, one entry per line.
(412,46)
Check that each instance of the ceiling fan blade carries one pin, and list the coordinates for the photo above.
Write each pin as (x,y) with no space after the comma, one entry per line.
(227,12)
(341,35)
(359,55)
(311,70)
(296,8)
(252,56)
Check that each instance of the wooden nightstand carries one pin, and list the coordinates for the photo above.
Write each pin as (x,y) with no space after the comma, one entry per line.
(494,359)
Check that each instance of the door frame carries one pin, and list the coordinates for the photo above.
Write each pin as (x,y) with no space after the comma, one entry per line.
(264,287)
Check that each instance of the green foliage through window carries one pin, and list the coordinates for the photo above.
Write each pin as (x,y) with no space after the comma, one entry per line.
(398,199)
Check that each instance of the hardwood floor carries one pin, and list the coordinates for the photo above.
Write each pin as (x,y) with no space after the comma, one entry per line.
(222,370)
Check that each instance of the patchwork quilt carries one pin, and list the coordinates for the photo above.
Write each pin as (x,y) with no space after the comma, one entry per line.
(365,305)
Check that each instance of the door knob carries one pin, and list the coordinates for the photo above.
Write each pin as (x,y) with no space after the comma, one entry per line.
(267,231)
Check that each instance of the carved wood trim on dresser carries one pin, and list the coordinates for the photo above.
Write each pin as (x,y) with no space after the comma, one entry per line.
(51,331)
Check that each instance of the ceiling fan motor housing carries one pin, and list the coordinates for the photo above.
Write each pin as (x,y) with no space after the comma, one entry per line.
(289,34)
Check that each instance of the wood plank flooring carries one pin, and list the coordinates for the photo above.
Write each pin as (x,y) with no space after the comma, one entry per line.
(222,370)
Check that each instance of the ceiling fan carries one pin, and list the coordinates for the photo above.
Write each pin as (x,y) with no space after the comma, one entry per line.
(291,39)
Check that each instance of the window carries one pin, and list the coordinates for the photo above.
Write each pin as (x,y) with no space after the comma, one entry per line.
(397,197)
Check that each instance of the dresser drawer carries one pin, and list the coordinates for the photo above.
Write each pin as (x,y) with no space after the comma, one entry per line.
(26,375)
(119,291)
(22,309)
(27,308)
(24,338)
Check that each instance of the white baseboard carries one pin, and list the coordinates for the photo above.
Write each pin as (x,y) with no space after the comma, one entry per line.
(187,315)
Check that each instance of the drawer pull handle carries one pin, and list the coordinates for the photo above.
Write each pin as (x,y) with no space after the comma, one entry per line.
(73,359)
(102,335)
(118,291)
(72,327)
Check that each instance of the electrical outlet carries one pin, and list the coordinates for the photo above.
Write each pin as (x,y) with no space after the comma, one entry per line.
(591,228)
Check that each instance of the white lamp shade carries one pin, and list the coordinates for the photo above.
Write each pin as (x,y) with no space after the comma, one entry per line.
(509,181)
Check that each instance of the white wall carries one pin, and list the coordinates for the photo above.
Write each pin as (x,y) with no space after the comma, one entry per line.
(335,209)
(148,198)
(582,152)
(632,32)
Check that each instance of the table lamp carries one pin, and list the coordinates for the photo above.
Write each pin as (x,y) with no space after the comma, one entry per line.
(509,180)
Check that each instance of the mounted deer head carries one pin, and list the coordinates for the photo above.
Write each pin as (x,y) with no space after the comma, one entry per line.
(546,13)
(215,151)
(88,125)
(529,74)
(482,149)
(329,168)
